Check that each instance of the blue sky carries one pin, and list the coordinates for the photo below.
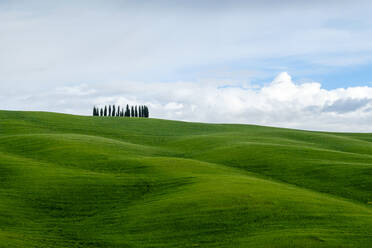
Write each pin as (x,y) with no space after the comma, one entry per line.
(70,55)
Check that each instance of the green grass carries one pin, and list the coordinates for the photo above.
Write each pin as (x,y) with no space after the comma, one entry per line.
(73,181)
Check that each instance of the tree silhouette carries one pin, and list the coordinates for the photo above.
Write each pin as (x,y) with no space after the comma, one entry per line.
(146,109)
(140,113)
(127,111)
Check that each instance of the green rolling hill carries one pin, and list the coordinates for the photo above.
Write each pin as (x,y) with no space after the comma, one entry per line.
(74,181)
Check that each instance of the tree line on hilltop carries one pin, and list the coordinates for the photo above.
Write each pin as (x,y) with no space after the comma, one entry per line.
(129,111)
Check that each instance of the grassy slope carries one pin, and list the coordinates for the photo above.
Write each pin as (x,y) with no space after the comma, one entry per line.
(71,181)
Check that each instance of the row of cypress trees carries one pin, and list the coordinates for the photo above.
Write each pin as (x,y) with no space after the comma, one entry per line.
(129,111)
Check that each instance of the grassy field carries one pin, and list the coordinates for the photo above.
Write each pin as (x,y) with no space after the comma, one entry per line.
(73,181)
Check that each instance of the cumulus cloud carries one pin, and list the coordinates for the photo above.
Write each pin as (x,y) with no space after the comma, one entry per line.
(282,102)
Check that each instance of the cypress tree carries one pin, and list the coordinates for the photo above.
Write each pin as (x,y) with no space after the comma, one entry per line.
(94,110)
(113,110)
(101,113)
(136,112)
(109,110)
(105,112)
(127,111)
(140,111)
(146,112)
(132,111)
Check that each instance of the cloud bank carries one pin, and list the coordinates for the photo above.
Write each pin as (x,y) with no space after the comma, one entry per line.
(281,103)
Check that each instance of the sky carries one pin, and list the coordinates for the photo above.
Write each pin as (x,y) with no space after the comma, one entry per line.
(295,64)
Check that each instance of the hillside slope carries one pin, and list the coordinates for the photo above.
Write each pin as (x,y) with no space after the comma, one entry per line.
(73,181)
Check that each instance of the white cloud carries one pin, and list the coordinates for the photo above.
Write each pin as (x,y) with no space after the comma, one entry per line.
(282,102)
(78,90)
